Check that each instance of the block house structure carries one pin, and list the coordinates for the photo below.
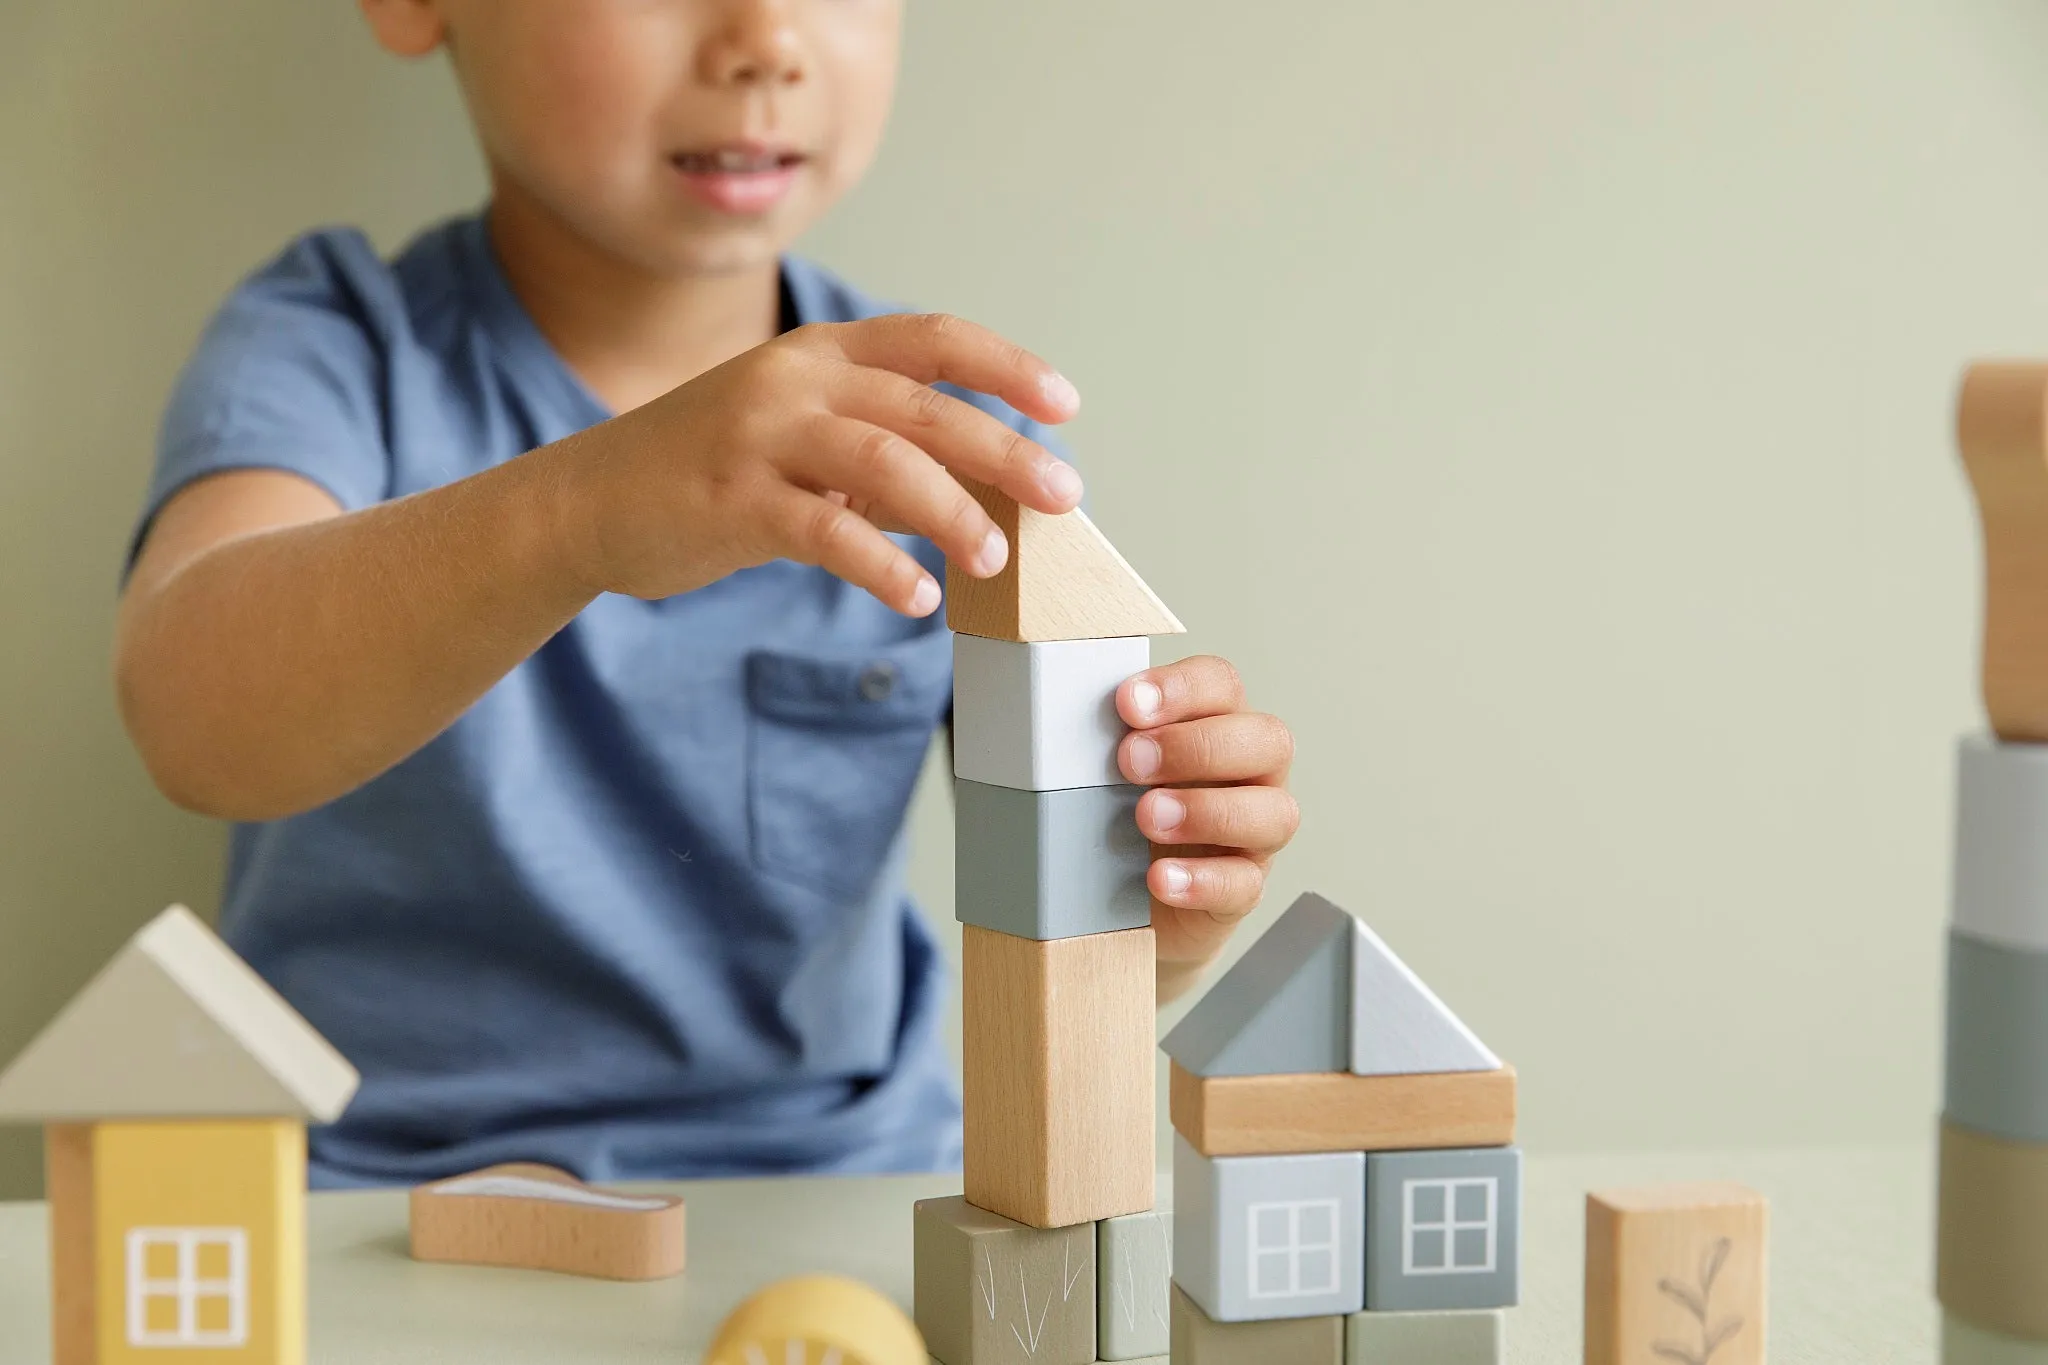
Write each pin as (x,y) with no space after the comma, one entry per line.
(1055,1253)
(174,1091)
(1344,1179)
(1992,1248)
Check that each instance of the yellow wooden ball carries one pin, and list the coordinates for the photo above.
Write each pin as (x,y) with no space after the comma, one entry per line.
(817,1320)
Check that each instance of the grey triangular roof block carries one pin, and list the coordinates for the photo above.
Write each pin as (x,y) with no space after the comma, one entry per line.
(1319,991)
(1283,1008)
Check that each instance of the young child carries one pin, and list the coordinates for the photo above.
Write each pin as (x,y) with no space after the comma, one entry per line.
(526,601)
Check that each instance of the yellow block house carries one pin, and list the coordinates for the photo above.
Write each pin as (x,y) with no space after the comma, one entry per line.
(175,1091)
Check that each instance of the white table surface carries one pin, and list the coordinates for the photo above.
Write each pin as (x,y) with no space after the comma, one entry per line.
(1851,1266)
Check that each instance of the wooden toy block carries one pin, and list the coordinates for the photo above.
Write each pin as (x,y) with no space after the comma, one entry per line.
(1057,1037)
(817,1320)
(2002,432)
(1199,1339)
(1444,1338)
(1258,1237)
(1676,1272)
(990,1291)
(1063,581)
(1337,1111)
(1962,1343)
(1991,1254)
(1997,1067)
(1443,1229)
(1320,991)
(74,1287)
(1134,1272)
(534,1217)
(1041,717)
(2001,860)
(176,1026)
(1050,864)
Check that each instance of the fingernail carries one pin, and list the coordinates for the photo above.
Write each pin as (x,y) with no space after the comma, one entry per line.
(1062,481)
(1177,878)
(925,599)
(995,552)
(1146,699)
(1167,812)
(1060,391)
(1144,757)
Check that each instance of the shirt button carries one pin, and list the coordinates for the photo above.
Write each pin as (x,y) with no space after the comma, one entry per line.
(878,682)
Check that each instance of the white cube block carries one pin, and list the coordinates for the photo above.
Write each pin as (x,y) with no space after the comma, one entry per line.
(2001,851)
(1041,716)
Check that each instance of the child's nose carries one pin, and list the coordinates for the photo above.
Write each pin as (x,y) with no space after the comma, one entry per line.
(760,45)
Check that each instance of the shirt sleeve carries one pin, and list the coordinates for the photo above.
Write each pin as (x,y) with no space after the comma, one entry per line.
(289,375)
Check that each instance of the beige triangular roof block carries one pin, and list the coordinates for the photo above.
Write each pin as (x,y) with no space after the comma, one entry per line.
(1063,581)
(177,1026)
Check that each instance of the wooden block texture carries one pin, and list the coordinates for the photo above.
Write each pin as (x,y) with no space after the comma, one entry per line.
(1991,1254)
(538,1218)
(990,1291)
(1337,1111)
(1200,1340)
(1058,1074)
(1063,581)
(1676,1272)
(2002,432)
(67,1186)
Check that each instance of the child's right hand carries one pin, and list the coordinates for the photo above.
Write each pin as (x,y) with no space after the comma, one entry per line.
(803,449)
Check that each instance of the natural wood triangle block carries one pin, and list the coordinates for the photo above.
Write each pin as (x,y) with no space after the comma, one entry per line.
(2002,432)
(1063,581)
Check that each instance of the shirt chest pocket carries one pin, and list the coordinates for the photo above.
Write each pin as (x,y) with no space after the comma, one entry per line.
(834,748)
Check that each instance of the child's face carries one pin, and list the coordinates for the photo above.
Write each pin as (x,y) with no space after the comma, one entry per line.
(682,136)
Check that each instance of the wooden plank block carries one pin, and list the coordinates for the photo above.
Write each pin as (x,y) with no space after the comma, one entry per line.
(1200,1340)
(2000,890)
(1041,717)
(990,1291)
(67,1185)
(2002,433)
(1991,1251)
(1337,1111)
(1683,1266)
(1063,581)
(1057,1074)
(538,1218)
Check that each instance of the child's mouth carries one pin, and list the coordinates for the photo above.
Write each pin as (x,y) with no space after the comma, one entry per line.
(740,179)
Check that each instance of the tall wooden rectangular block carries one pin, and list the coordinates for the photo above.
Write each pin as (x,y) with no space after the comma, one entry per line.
(1058,1078)
(1677,1266)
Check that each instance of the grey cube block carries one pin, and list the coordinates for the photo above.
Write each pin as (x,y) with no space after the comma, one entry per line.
(1133,1276)
(1443,1229)
(1199,1339)
(1050,864)
(1458,1337)
(1259,1237)
(1997,1071)
(988,1291)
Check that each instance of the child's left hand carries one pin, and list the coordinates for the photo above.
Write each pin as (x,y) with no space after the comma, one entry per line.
(1220,810)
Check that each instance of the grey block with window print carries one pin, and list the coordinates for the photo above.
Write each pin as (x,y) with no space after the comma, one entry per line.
(1443,1229)
(1261,1237)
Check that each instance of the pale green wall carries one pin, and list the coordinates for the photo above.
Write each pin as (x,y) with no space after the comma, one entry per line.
(1546,404)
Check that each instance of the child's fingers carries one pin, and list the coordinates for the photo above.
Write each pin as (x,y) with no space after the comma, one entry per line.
(1256,820)
(961,437)
(1200,686)
(816,530)
(1221,885)
(1245,747)
(875,466)
(937,347)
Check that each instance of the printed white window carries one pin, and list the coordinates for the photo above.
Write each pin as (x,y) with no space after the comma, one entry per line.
(1450,1227)
(1293,1248)
(188,1287)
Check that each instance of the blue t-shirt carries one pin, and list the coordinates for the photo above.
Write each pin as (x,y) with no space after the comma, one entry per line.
(640,912)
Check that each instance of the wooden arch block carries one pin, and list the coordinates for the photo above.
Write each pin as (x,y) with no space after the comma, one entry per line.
(534,1217)
(1063,581)
(2002,432)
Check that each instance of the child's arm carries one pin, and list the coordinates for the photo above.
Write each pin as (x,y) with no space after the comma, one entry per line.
(274,653)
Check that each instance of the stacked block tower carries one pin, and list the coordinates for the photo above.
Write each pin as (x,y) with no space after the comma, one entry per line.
(1992,1257)
(1344,1182)
(1055,1255)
